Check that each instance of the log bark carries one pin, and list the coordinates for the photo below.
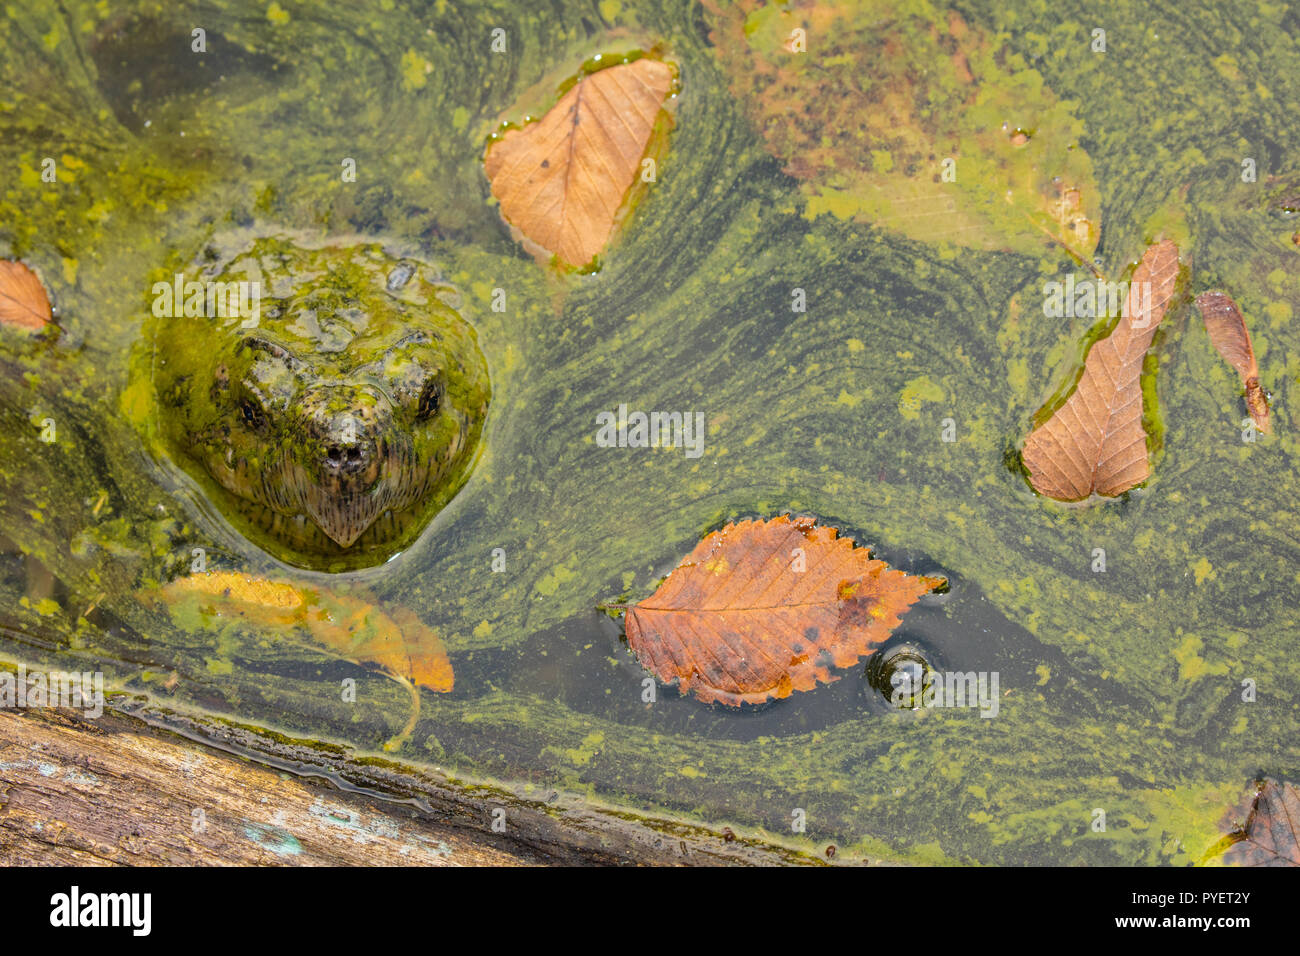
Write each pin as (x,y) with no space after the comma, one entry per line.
(148,789)
(74,794)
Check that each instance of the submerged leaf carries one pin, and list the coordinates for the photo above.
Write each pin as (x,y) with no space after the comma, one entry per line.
(23,302)
(1228,334)
(1270,835)
(399,643)
(764,608)
(910,118)
(1095,443)
(562,180)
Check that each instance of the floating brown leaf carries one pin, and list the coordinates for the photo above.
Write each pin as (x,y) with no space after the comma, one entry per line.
(1095,442)
(738,621)
(1227,329)
(561,181)
(1271,835)
(23,301)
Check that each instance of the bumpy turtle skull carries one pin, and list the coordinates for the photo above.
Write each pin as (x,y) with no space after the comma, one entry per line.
(337,417)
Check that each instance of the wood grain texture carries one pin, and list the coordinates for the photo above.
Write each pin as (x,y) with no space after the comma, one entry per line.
(1095,443)
(120,791)
(73,795)
(562,180)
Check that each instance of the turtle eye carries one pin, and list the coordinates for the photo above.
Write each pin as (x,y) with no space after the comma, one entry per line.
(252,414)
(430,398)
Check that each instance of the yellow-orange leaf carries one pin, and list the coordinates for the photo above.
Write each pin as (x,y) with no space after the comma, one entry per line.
(1227,330)
(561,181)
(23,301)
(398,642)
(1095,443)
(761,609)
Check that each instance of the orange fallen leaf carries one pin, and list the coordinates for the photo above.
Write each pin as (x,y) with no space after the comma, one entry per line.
(398,642)
(23,302)
(562,180)
(270,601)
(1228,334)
(738,621)
(1271,833)
(1095,442)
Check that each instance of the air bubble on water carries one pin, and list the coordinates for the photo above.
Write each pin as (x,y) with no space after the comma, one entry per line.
(904,658)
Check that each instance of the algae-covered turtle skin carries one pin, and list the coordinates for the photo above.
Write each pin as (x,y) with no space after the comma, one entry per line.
(331,418)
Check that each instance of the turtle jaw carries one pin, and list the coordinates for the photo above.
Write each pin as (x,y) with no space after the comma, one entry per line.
(304,490)
(258,418)
(342,518)
(344,495)
(345,474)
(345,487)
(345,505)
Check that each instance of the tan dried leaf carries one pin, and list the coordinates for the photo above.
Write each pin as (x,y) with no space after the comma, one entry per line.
(562,180)
(1095,443)
(398,642)
(1228,334)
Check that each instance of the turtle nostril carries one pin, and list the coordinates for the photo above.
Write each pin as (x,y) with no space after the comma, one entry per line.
(346,458)
(348,440)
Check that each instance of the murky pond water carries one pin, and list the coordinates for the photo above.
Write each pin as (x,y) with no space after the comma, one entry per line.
(1119,690)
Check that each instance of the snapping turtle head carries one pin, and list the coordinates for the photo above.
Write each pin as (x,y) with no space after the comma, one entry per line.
(340,417)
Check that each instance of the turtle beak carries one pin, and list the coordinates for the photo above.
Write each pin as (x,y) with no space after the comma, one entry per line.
(345,469)
(344,519)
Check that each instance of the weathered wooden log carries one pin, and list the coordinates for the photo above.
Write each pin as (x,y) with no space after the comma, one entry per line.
(120,791)
(71,793)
